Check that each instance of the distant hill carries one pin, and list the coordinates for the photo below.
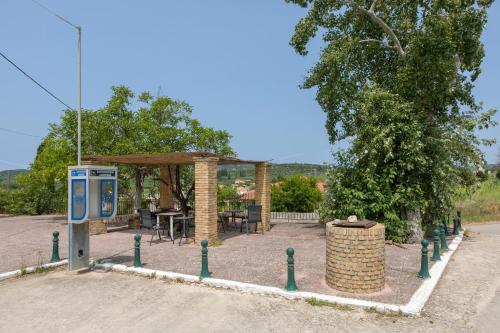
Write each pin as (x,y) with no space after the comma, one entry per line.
(228,173)
(9,176)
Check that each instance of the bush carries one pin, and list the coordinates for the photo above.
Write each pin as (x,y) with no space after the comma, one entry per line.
(295,194)
(397,230)
(482,175)
(498,174)
(4,200)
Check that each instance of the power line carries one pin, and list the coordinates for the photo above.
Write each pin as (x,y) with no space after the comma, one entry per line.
(19,132)
(35,81)
(55,14)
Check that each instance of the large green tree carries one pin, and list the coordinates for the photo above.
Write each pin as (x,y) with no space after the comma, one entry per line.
(296,193)
(395,78)
(158,124)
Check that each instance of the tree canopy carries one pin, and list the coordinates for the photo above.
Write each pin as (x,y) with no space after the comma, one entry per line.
(396,79)
(157,124)
(295,193)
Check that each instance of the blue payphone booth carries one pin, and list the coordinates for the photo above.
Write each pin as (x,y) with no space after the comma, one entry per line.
(92,194)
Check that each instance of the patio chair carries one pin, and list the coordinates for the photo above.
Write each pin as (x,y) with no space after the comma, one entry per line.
(148,222)
(254,215)
(220,221)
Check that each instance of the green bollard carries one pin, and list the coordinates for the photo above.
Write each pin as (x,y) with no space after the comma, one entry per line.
(459,219)
(445,226)
(137,250)
(424,264)
(204,260)
(55,247)
(444,246)
(455,226)
(435,252)
(290,283)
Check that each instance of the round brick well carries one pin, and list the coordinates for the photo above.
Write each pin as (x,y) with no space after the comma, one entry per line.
(355,258)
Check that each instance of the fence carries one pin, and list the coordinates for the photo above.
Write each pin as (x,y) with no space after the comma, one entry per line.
(291,217)
(125,205)
(240,202)
(231,202)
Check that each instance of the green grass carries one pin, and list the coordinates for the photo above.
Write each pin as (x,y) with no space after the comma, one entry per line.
(483,204)
(373,310)
(316,302)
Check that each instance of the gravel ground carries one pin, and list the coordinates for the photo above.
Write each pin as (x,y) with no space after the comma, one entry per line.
(255,258)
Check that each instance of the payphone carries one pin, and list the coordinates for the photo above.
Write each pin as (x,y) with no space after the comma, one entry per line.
(92,194)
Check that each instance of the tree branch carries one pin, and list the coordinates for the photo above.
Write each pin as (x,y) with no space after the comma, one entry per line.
(382,43)
(378,21)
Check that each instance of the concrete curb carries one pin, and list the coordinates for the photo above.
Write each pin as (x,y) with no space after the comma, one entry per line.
(28,270)
(422,295)
(412,308)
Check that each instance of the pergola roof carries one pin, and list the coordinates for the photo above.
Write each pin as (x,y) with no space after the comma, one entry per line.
(156,159)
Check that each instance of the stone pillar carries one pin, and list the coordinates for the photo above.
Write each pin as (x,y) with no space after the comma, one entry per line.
(167,199)
(263,192)
(355,258)
(205,174)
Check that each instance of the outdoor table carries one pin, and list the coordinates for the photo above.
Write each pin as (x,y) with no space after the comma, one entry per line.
(233,213)
(171,219)
(184,220)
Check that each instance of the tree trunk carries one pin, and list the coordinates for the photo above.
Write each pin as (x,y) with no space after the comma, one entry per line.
(139,188)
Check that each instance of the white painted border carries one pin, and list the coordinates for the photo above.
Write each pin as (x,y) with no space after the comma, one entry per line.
(413,307)
(28,270)
(421,296)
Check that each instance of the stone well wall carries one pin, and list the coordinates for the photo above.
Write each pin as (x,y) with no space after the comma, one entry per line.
(355,258)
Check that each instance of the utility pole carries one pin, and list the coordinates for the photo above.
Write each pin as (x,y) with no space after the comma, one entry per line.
(79,85)
(78,79)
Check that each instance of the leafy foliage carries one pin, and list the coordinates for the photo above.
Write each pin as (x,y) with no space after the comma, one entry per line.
(159,125)
(295,194)
(396,78)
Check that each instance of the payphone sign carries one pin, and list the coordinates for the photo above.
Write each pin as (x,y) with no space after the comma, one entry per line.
(78,173)
(102,173)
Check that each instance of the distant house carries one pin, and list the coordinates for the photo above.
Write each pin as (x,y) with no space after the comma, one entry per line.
(248,196)
(321,186)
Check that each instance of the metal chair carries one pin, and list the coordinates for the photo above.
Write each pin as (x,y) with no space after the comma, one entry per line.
(254,215)
(147,222)
(220,221)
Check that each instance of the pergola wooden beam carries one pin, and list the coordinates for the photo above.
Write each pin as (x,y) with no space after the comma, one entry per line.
(159,159)
(205,165)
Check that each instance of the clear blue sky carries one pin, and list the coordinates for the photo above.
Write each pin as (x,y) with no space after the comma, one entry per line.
(229,59)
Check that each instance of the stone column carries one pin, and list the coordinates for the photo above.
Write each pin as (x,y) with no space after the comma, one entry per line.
(167,199)
(263,192)
(205,173)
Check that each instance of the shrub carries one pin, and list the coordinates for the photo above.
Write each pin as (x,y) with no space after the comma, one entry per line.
(396,230)
(482,175)
(295,194)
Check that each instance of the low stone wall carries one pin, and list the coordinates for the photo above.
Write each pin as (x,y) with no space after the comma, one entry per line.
(97,227)
(355,258)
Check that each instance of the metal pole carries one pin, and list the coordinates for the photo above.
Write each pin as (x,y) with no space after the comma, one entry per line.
(79,88)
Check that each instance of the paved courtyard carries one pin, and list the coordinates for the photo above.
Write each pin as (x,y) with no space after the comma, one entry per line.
(467,299)
(256,258)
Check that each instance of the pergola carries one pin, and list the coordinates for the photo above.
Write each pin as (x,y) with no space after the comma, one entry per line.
(205,166)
